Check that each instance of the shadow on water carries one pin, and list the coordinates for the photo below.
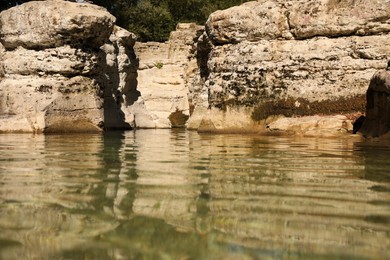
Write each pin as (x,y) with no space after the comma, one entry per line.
(176,194)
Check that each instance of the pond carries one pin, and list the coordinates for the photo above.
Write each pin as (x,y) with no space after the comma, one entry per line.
(171,194)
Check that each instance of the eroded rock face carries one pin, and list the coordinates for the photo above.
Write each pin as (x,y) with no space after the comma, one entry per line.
(118,78)
(377,121)
(164,70)
(51,66)
(54,23)
(291,58)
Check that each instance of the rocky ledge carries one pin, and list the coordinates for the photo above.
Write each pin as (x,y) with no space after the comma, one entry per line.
(270,59)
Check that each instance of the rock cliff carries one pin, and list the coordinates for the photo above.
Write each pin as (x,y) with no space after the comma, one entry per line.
(50,62)
(256,68)
(271,58)
(58,74)
(163,73)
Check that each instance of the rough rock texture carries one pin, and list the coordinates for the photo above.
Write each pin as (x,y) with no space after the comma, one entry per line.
(51,65)
(290,58)
(164,69)
(312,126)
(118,78)
(54,23)
(377,122)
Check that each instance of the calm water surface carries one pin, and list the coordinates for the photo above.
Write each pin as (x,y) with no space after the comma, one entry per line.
(162,194)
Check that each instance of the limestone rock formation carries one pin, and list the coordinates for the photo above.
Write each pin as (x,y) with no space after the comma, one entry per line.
(324,126)
(377,121)
(118,78)
(50,67)
(54,23)
(164,69)
(292,58)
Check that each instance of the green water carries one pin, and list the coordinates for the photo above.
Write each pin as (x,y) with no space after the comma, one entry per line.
(162,194)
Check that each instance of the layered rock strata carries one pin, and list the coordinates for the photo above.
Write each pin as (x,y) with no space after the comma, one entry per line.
(164,70)
(50,67)
(118,78)
(271,58)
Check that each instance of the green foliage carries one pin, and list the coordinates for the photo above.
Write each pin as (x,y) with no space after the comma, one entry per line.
(153,20)
(159,64)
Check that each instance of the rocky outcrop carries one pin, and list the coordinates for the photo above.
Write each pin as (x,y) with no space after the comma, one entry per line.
(377,121)
(118,78)
(41,25)
(289,58)
(164,70)
(56,75)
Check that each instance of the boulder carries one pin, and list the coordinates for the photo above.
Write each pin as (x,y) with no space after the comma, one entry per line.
(281,19)
(335,18)
(54,23)
(251,21)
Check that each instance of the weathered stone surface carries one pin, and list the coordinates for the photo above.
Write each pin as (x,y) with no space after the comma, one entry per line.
(281,19)
(118,78)
(52,68)
(289,66)
(53,23)
(162,76)
(55,104)
(324,126)
(377,122)
(333,18)
(251,21)
(62,60)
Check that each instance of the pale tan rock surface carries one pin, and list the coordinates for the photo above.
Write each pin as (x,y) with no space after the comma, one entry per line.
(162,76)
(291,58)
(52,67)
(54,23)
(325,126)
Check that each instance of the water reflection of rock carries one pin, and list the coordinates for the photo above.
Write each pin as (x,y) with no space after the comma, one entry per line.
(248,196)
(165,187)
(301,195)
(47,184)
(312,198)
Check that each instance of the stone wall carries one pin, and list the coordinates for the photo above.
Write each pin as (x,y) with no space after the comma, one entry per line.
(271,58)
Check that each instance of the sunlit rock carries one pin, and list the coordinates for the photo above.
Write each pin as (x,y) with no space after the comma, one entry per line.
(273,58)
(164,70)
(46,24)
(55,77)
